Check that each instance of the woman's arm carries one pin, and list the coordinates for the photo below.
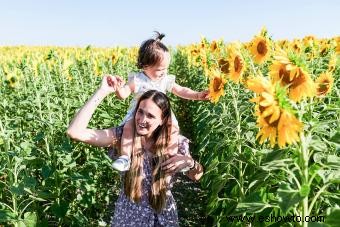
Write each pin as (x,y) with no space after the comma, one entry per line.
(195,171)
(188,93)
(78,130)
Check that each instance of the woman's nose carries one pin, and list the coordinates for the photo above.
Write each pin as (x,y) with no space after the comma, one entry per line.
(142,119)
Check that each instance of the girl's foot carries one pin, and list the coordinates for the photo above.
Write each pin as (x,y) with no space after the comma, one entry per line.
(122,163)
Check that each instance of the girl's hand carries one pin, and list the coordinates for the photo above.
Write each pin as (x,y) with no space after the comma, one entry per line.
(111,83)
(203,95)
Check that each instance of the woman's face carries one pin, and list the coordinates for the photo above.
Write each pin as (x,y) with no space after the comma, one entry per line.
(148,117)
(159,70)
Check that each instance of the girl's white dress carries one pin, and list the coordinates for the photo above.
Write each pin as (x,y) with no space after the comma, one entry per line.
(142,84)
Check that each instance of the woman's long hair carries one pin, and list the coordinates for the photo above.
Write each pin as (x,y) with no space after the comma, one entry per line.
(134,177)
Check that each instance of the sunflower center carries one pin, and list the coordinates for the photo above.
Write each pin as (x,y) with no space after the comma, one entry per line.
(262,48)
(298,80)
(194,52)
(323,87)
(296,47)
(217,84)
(284,75)
(224,65)
(237,64)
(213,46)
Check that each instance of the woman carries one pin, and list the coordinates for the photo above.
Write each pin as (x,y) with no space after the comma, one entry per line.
(145,198)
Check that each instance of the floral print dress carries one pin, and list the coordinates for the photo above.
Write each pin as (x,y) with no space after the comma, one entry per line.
(129,213)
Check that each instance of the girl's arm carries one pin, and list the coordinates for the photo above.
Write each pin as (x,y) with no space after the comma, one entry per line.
(78,130)
(124,91)
(188,93)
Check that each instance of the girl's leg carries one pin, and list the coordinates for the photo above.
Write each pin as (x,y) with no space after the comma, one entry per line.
(123,161)
(172,148)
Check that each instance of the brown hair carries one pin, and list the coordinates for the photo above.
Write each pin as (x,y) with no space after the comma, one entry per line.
(134,177)
(151,51)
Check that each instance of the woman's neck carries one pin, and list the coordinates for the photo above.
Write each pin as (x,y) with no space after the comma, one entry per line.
(147,142)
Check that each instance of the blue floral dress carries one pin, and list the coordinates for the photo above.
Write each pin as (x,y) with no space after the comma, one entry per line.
(129,213)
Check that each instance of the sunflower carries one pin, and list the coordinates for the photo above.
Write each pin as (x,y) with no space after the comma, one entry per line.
(332,63)
(309,40)
(237,66)
(296,46)
(213,46)
(259,48)
(114,58)
(324,83)
(259,84)
(283,44)
(301,86)
(289,128)
(337,40)
(193,53)
(274,117)
(299,83)
(216,86)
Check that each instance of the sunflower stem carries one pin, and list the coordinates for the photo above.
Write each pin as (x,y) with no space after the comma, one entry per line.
(238,138)
(305,175)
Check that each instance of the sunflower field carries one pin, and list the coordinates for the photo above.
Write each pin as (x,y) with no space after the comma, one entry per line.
(269,140)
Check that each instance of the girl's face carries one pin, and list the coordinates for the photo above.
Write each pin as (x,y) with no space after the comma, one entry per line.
(148,117)
(159,70)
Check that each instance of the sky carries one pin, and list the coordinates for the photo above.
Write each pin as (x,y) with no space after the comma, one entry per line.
(104,23)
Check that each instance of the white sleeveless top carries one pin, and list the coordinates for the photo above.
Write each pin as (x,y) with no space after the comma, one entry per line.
(142,84)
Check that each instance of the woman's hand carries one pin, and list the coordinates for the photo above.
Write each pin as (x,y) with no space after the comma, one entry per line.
(111,83)
(177,163)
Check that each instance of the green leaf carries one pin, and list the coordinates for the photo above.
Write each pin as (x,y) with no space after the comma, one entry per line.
(46,171)
(333,161)
(329,175)
(332,218)
(318,145)
(30,219)
(26,146)
(59,210)
(30,182)
(250,208)
(17,190)
(288,197)
(336,138)
(7,215)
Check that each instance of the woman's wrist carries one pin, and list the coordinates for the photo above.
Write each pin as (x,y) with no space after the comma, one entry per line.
(193,164)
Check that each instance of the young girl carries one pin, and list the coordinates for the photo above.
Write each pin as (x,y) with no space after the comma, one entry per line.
(153,60)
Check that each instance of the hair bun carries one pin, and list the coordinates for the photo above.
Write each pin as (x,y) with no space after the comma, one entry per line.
(159,36)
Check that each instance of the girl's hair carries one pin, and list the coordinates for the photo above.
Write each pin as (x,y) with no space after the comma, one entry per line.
(161,137)
(151,51)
